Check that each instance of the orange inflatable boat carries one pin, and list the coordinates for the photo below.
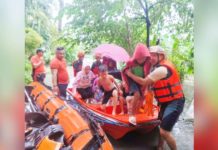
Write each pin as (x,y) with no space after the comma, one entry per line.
(79,132)
(117,126)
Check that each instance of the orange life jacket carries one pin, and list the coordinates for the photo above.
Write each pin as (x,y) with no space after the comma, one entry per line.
(168,88)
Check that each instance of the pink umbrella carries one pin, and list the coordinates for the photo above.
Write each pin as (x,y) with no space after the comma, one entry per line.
(113,51)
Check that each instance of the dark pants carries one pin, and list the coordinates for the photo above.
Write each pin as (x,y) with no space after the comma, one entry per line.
(170,112)
(133,87)
(85,92)
(116,74)
(40,77)
(62,90)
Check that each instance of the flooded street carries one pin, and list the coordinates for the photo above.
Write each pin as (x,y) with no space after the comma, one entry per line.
(183,130)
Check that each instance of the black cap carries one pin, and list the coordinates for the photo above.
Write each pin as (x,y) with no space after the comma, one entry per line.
(60,48)
(40,50)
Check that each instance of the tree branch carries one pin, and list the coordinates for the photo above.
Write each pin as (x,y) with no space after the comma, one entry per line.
(147,20)
(138,14)
(143,7)
(159,2)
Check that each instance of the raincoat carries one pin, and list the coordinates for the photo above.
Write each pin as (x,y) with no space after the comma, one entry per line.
(141,50)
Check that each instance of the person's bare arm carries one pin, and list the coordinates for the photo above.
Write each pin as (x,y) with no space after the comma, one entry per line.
(54,80)
(99,83)
(142,81)
(114,81)
(54,73)
(35,65)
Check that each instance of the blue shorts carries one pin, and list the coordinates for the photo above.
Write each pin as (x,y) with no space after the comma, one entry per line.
(170,112)
(133,87)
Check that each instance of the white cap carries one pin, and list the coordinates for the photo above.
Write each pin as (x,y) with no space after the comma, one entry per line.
(157,49)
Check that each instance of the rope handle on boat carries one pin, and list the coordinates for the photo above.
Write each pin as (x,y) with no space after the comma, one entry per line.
(56,112)
(74,136)
(47,101)
(40,93)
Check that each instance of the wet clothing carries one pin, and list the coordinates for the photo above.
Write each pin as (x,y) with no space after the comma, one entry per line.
(134,86)
(40,70)
(62,74)
(138,71)
(141,51)
(107,95)
(170,112)
(77,66)
(85,92)
(95,67)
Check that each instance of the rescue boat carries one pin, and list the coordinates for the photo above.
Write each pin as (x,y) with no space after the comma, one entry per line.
(116,126)
(79,132)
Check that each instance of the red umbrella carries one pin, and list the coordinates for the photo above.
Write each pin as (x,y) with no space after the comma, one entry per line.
(113,51)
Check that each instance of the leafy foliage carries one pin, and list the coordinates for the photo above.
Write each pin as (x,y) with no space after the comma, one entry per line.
(182,56)
(89,23)
(32,41)
(28,71)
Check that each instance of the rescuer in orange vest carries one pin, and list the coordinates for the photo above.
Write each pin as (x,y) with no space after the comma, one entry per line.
(165,82)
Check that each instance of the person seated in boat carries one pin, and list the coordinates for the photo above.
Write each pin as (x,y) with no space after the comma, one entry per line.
(96,64)
(110,88)
(112,67)
(83,82)
(121,97)
(139,65)
(110,63)
(98,93)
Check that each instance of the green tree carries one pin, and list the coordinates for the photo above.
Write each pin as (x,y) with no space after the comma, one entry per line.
(39,17)
(28,71)
(123,22)
(32,41)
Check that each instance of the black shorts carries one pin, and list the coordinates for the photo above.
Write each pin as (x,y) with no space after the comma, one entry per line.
(108,95)
(85,92)
(170,112)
